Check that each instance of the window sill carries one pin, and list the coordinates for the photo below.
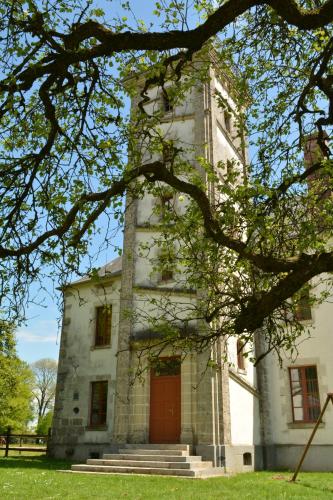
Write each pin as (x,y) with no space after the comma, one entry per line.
(241,371)
(97,347)
(304,425)
(306,322)
(96,428)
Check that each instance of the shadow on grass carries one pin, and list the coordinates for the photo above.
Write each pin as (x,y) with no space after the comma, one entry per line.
(35,462)
(316,487)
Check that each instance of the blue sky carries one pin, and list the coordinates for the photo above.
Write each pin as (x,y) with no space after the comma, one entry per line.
(40,337)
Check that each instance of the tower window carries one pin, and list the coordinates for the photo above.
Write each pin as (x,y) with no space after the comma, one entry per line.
(303,307)
(227,121)
(229,167)
(167,266)
(167,105)
(166,275)
(304,393)
(103,325)
(98,405)
(166,202)
(240,355)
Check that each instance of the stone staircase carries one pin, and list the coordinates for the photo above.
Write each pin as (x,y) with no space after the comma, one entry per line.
(161,459)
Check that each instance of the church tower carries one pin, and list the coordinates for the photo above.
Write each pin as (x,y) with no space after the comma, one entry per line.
(183,402)
(108,394)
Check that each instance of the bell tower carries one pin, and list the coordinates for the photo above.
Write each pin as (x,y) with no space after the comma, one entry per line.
(198,122)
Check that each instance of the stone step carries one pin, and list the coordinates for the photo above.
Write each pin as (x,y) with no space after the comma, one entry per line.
(150,464)
(161,446)
(168,458)
(134,470)
(144,451)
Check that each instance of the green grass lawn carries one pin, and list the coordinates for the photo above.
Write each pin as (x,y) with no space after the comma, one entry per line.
(35,477)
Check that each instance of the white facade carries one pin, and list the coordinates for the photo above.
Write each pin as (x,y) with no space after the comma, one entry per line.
(286,435)
(229,415)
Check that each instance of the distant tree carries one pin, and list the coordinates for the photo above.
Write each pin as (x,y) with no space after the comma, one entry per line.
(45,372)
(44,423)
(16,382)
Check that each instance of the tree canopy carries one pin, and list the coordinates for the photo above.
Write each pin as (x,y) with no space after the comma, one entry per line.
(44,424)
(64,123)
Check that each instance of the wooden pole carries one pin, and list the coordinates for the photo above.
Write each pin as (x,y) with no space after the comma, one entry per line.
(328,399)
(48,441)
(7,441)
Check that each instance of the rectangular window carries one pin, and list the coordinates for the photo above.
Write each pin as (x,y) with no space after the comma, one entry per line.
(240,355)
(303,307)
(166,275)
(167,105)
(167,265)
(227,121)
(103,325)
(167,203)
(98,407)
(304,393)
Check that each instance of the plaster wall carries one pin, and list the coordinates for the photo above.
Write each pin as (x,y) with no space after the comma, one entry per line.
(244,411)
(287,436)
(80,364)
(225,150)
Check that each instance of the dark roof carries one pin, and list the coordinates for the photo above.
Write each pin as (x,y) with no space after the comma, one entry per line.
(111,269)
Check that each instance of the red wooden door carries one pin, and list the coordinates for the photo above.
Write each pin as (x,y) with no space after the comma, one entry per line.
(165,403)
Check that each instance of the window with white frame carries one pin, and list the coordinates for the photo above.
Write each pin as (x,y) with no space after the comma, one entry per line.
(304,393)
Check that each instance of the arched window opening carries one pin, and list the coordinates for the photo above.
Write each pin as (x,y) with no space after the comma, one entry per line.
(247,459)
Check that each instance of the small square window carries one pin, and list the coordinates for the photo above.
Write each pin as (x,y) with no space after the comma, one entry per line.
(166,275)
(103,325)
(230,167)
(167,265)
(167,202)
(167,105)
(168,151)
(303,307)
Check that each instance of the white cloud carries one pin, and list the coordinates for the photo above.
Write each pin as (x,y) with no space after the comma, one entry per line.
(42,331)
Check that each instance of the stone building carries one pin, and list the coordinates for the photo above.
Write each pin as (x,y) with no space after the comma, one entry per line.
(238,417)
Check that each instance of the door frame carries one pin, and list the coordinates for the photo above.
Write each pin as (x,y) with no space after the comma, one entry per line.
(178,397)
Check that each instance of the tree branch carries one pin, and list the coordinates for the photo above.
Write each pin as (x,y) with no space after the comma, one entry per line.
(193,40)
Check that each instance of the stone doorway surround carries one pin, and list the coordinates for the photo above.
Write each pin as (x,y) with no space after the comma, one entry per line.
(165,401)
